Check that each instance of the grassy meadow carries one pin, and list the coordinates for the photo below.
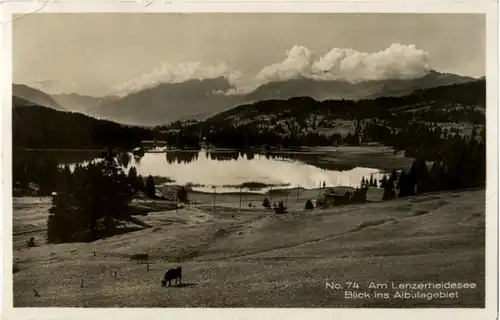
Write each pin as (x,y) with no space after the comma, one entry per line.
(250,257)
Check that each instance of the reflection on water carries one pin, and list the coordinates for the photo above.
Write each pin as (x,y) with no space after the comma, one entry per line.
(228,169)
(225,169)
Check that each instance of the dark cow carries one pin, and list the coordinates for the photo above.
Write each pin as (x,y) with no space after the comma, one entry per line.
(171,274)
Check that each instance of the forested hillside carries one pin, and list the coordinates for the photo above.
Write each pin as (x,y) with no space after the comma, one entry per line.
(43,128)
(303,121)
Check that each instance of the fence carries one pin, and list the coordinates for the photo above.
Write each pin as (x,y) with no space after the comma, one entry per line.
(245,199)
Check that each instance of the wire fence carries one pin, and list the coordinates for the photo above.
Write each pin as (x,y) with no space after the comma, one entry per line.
(252,200)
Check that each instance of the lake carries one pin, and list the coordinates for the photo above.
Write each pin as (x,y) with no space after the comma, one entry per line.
(228,169)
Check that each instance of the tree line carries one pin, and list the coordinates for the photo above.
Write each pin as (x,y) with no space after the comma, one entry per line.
(381,119)
(47,176)
(93,200)
(89,202)
(37,127)
(459,165)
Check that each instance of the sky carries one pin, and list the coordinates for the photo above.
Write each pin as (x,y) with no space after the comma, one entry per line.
(117,53)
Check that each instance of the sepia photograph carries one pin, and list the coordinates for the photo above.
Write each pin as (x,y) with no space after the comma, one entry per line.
(249,160)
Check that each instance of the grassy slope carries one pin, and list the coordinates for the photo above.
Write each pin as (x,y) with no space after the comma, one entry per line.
(259,259)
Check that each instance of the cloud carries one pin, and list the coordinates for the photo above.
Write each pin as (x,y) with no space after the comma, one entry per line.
(239,88)
(175,73)
(298,63)
(396,62)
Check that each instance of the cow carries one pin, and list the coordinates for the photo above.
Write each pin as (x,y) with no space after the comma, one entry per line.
(171,274)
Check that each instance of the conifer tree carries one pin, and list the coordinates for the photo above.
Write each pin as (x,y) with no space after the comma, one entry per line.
(383,182)
(363,182)
(91,205)
(150,187)
(140,184)
(133,179)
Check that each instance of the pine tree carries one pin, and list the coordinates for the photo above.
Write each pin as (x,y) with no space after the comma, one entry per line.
(437,177)
(133,179)
(394,176)
(140,184)
(48,174)
(363,182)
(403,185)
(91,205)
(388,191)
(266,204)
(65,180)
(418,177)
(150,187)
(383,182)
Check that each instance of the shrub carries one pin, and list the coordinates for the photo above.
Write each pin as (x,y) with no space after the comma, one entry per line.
(31,243)
(280,209)
(266,203)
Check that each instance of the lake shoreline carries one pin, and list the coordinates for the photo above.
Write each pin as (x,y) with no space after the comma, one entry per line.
(235,172)
(273,191)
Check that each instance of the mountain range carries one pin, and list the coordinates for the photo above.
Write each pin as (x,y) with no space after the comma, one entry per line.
(201,99)
(460,102)
(37,126)
(80,103)
(23,95)
(340,89)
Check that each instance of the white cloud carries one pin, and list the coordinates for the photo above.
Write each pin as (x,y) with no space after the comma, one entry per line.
(175,73)
(396,62)
(298,62)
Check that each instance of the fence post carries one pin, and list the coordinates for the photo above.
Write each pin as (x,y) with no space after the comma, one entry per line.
(213,212)
(239,208)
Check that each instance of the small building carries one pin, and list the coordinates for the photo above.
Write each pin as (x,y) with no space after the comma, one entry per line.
(335,196)
(342,190)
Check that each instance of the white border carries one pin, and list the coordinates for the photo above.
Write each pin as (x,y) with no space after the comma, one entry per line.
(488,7)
